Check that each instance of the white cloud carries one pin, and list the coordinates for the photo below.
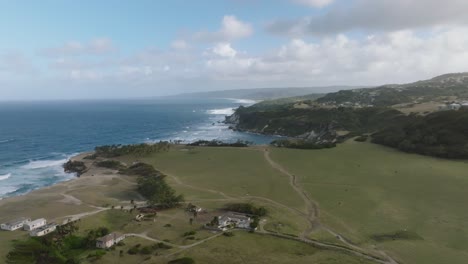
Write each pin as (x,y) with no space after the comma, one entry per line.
(383,57)
(377,15)
(224,50)
(180,45)
(396,57)
(16,63)
(314,3)
(231,29)
(99,46)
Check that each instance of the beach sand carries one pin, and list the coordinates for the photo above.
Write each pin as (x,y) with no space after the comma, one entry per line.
(96,190)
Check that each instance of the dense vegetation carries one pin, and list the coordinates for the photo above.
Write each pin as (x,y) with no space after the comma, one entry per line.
(247,208)
(184,260)
(152,186)
(60,247)
(296,122)
(141,169)
(77,167)
(398,235)
(441,134)
(110,164)
(218,143)
(113,151)
(301,144)
(445,86)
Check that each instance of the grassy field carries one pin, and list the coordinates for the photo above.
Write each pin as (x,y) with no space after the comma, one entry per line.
(366,190)
(253,248)
(233,172)
(408,205)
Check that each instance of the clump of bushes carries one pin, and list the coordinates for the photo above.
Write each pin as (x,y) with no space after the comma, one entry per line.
(74,166)
(185,260)
(189,233)
(110,164)
(218,143)
(362,138)
(247,208)
(228,234)
(398,235)
(141,169)
(112,151)
(302,144)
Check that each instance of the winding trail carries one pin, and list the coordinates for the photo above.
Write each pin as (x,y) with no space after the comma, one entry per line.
(312,216)
(180,247)
(312,210)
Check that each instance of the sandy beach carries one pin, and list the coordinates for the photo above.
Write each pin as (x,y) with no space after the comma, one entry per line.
(95,190)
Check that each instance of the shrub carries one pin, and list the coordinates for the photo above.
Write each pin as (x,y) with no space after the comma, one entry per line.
(185,260)
(189,233)
(146,250)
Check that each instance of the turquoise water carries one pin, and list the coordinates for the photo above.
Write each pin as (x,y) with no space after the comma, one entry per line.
(36,138)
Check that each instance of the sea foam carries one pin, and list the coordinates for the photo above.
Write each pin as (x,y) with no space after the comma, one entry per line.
(4,177)
(222,111)
(40,164)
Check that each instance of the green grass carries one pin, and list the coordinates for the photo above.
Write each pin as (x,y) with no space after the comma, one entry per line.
(233,171)
(366,190)
(253,248)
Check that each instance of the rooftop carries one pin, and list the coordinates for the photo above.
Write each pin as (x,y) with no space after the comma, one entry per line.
(17,221)
(109,237)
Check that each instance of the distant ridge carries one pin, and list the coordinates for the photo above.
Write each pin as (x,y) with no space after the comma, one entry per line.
(266,93)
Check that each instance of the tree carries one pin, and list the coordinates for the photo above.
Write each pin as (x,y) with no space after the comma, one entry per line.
(191,221)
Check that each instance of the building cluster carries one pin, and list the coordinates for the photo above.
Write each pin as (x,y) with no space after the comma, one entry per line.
(454,106)
(109,240)
(231,220)
(38,227)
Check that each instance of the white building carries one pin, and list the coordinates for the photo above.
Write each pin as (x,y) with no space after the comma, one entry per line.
(234,220)
(109,240)
(35,224)
(15,224)
(44,230)
(454,106)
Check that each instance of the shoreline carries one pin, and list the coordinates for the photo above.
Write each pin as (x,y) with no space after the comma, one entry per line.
(67,197)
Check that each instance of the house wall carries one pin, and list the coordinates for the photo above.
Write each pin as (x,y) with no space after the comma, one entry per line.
(34,225)
(12,227)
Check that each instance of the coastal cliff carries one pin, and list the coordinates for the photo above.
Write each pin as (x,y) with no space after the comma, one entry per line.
(314,124)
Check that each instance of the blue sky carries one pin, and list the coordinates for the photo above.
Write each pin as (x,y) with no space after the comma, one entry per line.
(118,49)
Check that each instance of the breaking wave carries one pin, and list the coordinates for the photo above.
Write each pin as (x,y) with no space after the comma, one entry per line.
(40,164)
(4,177)
(221,111)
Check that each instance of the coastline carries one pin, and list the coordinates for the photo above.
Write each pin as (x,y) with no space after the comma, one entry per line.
(67,198)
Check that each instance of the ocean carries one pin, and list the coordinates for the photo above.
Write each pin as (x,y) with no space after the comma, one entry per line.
(36,138)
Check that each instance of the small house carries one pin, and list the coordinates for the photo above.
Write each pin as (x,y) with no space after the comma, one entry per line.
(43,230)
(109,240)
(35,224)
(15,224)
(70,220)
(231,220)
(454,106)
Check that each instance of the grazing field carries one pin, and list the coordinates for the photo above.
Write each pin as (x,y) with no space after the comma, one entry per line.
(410,205)
(260,249)
(368,198)
(238,172)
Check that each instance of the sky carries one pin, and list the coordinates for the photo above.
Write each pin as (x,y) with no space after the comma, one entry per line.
(88,49)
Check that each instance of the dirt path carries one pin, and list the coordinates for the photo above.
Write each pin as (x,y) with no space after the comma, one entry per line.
(181,248)
(312,214)
(312,210)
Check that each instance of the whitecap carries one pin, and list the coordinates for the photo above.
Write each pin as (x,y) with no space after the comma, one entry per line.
(221,111)
(40,164)
(6,141)
(4,177)
(243,101)
(7,189)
